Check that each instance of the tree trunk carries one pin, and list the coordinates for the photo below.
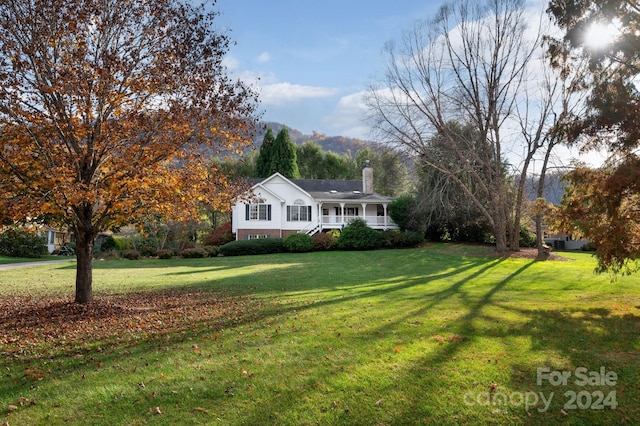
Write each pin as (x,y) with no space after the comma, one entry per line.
(543,251)
(84,267)
(500,234)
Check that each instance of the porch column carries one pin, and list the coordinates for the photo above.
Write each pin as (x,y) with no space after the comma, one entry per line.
(384,206)
(320,217)
(342,212)
(364,212)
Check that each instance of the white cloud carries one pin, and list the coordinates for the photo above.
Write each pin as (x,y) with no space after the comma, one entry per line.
(230,63)
(281,93)
(264,57)
(348,117)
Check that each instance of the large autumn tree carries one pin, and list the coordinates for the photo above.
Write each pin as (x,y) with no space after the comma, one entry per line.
(109,110)
(601,47)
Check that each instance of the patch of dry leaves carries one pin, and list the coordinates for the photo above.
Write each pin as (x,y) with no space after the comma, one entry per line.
(36,326)
(532,253)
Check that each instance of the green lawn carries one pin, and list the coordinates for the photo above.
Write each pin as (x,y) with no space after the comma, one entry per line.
(6,259)
(443,335)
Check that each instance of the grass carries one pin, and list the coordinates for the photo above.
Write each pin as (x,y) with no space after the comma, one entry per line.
(4,260)
(425,336)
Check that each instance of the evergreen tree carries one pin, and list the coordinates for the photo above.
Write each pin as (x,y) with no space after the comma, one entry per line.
(283,156)
(263,162)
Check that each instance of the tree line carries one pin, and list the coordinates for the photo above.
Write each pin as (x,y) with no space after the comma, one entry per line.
(392,170)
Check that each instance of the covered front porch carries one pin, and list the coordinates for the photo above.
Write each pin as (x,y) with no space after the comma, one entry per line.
(335,215)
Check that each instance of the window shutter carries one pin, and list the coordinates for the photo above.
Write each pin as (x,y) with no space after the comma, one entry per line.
(309,213)
(246,212)
(288,213)
(268,211)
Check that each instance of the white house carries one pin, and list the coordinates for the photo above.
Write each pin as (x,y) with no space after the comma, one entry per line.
(279,206)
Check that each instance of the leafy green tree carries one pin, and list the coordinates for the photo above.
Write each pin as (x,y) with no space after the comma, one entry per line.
(336,166)
(390,173)
(310,157)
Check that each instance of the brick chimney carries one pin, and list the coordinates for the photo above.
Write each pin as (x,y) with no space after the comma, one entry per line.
(367,178)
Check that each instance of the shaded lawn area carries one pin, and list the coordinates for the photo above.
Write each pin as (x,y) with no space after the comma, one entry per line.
(442,335)
(4,260)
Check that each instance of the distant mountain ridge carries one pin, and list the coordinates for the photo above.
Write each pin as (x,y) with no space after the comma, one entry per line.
(337,144)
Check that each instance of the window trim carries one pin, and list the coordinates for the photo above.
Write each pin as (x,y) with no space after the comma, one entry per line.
(258,212)
(295,213)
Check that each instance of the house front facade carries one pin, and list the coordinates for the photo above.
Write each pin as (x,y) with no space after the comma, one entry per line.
(277,206)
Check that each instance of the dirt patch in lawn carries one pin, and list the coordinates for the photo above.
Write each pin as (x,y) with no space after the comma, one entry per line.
(532,253)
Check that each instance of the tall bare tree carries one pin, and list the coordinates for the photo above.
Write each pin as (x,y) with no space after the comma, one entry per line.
(469,65)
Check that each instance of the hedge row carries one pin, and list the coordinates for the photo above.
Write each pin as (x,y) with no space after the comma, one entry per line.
(259,246)
(189,253)
(356,236)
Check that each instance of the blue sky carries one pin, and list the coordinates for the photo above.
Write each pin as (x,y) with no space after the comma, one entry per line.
(315,59)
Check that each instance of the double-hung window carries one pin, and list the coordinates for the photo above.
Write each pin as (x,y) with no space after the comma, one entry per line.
(260,211)
(298,212)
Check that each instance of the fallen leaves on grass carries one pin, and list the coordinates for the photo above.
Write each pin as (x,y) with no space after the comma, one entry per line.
(36,326)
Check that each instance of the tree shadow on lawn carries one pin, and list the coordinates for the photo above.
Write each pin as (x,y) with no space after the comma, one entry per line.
(561,340)
(432,300)
(547,331)
(85,345)
(541,327)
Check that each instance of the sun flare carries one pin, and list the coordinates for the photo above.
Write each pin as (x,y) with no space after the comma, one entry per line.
(600,35)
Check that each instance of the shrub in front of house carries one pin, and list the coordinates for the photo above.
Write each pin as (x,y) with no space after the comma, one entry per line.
(194,253)
(259,246)
(131,254)
(221,235)
(212,251)
(324,241)
(17,242)
(298,243)
(402,239)
(165,254)
(148,251)
(403,212)
(357,235)
(110,244)
(527,238)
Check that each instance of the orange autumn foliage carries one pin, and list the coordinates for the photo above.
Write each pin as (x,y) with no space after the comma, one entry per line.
(604,205)
(110,110)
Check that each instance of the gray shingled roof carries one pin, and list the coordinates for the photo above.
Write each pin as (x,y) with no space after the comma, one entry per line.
(320,185)
(328,189)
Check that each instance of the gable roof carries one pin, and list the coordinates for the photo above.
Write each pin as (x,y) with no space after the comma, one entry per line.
(316,185)
(329,189)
